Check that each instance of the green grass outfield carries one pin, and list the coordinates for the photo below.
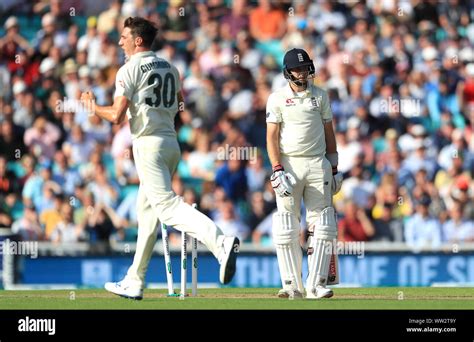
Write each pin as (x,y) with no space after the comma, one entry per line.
(245,298)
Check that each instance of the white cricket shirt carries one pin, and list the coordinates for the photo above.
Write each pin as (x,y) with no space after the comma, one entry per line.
(150,84)
(301,116)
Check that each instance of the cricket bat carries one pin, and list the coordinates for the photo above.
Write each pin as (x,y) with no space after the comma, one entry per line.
(333,276)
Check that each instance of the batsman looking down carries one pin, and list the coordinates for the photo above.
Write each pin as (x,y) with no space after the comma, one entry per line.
(147,91)
(302,149)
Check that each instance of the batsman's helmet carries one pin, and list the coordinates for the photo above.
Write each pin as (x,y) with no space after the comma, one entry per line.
(296,58)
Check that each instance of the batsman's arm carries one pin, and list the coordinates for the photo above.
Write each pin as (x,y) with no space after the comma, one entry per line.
(273,142)
(331,147)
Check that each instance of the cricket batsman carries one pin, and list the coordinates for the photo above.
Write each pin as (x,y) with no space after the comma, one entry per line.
(148,93)
(302,149)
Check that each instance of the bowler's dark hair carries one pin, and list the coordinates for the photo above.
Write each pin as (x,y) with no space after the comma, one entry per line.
(143,28)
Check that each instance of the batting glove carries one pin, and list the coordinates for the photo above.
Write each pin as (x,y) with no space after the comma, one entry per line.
(282,182)
(336,181)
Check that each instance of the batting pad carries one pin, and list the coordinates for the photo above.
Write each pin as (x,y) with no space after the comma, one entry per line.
(286,231)
(320,250)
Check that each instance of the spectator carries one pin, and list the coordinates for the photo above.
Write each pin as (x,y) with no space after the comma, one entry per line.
(13,42)
(456,149)
(24,66)
(208,102)
(389,145)
(388,194)
(50,30)
(11,143)
(457,229)
(347,151)
(238,98)
(50,218)
(176,25)
(34,187)
(462,193)
(355,226)
(49,190)
(262,234)
(23,105)
(122,140)
(89,41)
(267,23)
(101,223)
(125,170)
(8,181)
(423,230)
(325,17)
(70,78)
(67,231)
(28,227)
(232,178)
(237,21)
(211,61)
(267,26)
(358,188)
(96,129)
(388,228)
(64,175)
(201,160)
(419,160)
(41,139)
(230,225)
(258,210)
(467,88)
(170,53)
(256,174)
(445,179)
(5,216)
(107,20)
(78,146)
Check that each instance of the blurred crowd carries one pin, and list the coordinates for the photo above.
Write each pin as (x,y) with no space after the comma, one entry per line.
(400,76)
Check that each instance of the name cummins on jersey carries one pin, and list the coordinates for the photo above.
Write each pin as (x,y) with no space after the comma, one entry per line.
(150,84)
(301,117)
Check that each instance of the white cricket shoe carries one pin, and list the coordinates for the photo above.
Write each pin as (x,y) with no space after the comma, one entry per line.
(295,294)
(125,290)
(319,292)
(228,258)
(282,293)
(290,294)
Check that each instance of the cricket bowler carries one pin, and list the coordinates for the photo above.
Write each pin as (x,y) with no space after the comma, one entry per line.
(148,92)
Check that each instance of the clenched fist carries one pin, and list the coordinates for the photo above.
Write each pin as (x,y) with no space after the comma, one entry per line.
(88,101)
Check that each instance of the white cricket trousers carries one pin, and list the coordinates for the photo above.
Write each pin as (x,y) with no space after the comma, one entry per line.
(313,184)
(156,159)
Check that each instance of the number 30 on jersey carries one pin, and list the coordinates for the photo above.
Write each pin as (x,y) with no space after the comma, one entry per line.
(164,90)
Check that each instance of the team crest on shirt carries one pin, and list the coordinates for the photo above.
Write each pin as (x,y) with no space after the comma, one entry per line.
(316,102)
(289,103)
